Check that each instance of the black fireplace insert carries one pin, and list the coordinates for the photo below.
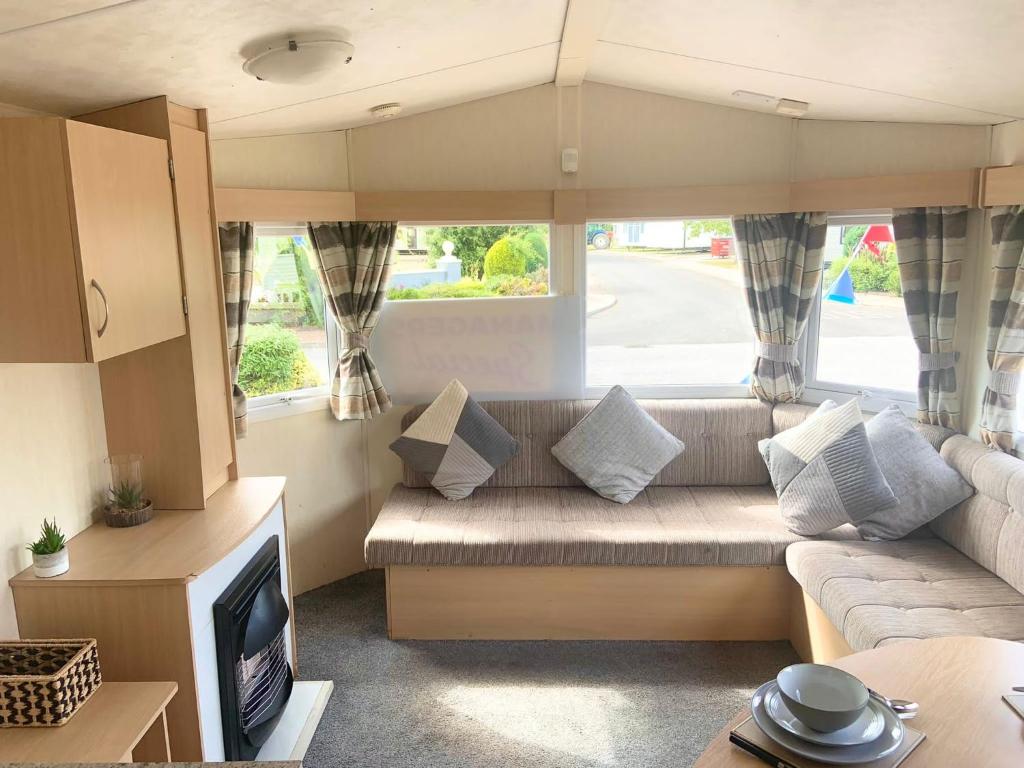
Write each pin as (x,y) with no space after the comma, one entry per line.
(255,677)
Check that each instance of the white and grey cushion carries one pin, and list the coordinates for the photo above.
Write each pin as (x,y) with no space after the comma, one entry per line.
(455,443)
(617,448)
(924,484)
(825,472)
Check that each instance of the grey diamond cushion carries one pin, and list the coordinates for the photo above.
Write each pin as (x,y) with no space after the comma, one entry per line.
(925,485)
(456,443)
(617,448)
(825,471)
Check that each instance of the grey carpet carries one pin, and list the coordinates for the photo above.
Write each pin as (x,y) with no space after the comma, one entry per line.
(507,704)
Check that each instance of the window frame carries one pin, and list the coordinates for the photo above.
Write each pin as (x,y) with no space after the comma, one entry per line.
(554,244)
(280,404)
(817,390)
(642,391)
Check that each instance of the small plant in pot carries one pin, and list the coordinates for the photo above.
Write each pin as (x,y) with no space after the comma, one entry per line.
(50,551)
(128,504)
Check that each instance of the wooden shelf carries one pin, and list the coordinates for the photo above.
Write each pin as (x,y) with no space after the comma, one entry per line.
(175,547)
(120,722)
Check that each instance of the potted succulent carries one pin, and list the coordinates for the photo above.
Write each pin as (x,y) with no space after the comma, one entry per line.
(49,551)
(128,504)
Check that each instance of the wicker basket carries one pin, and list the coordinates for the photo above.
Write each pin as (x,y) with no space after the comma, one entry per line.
(43,682)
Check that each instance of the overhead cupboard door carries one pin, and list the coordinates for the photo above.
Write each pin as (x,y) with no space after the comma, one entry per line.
(126,238)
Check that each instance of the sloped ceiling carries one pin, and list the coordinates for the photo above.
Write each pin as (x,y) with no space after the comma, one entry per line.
(942,61)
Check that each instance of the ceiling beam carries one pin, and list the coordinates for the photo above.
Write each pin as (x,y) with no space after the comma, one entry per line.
(584,20)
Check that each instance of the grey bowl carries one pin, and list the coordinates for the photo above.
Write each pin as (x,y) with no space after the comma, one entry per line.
(823,698)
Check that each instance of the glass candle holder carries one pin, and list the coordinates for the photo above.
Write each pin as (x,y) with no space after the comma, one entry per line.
(126,468)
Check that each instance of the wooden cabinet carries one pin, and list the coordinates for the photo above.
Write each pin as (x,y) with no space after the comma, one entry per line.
(90,250)
(146,594)
(171,402)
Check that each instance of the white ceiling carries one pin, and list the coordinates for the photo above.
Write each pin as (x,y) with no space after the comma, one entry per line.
(941,61)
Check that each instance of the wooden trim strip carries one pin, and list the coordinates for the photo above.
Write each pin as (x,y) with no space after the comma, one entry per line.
(570,206)
(1002,185)
(576,206)
(906,191)
(454,206)
(265,205)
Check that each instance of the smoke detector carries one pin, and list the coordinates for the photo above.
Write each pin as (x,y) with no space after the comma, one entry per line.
(298,60)
(385,111)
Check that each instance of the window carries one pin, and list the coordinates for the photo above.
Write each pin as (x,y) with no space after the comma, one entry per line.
(665,306)
(290,339)
(470,261)
(859,340)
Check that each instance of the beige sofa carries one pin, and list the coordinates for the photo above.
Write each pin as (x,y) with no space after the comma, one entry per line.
(701,554)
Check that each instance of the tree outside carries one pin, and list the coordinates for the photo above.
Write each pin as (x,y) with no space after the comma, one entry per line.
(517,254)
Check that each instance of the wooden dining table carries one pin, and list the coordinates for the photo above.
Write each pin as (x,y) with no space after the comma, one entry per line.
(959,683)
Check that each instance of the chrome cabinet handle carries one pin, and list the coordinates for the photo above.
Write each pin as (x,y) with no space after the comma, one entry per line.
(106,309)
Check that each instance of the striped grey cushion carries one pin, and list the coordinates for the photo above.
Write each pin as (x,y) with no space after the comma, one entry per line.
(617,448)
(572,526)
(825,471)
(924,483)
(455,443)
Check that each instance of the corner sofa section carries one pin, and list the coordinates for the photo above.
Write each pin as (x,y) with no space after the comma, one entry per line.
(966,581)
(701,554)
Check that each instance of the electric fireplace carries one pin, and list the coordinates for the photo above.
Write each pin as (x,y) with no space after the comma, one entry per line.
(250,618)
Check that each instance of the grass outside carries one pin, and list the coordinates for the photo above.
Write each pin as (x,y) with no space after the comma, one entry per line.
(533,284)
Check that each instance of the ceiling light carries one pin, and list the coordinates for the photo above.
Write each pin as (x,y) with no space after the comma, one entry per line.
(792,108)
(298,60)
(384,111)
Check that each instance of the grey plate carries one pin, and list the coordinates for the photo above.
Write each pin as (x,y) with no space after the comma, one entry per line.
(887,742)
(865,729)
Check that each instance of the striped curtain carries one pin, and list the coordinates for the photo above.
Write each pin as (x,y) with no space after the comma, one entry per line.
(354,259)
(1005,330)
(930,247)
(781,257)
(237,248)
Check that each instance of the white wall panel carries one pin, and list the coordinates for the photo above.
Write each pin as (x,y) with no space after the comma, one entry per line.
(831,149)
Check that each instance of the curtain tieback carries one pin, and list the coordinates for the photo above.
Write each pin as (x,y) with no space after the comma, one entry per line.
(777,353)
(355,340)
(937,361)
(1004,382)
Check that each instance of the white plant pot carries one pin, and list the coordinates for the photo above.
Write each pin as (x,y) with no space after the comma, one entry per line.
(45,566)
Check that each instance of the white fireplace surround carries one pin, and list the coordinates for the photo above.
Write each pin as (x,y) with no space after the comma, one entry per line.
(308,698)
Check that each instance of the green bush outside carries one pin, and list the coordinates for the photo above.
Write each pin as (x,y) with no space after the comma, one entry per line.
(538,256)
(471,243)
(869,274)
(508,256)
(273,361)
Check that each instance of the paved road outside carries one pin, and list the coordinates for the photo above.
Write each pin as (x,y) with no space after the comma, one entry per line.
(684,320)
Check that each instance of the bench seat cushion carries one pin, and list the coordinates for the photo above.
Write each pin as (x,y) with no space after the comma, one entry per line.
(710,525)
(877,593)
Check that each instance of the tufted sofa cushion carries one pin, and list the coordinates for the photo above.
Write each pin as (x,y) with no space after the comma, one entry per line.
(876,593)
(711,525)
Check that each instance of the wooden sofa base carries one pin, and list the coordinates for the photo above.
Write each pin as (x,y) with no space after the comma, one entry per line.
(588,603)
(608,603)
(813,636)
